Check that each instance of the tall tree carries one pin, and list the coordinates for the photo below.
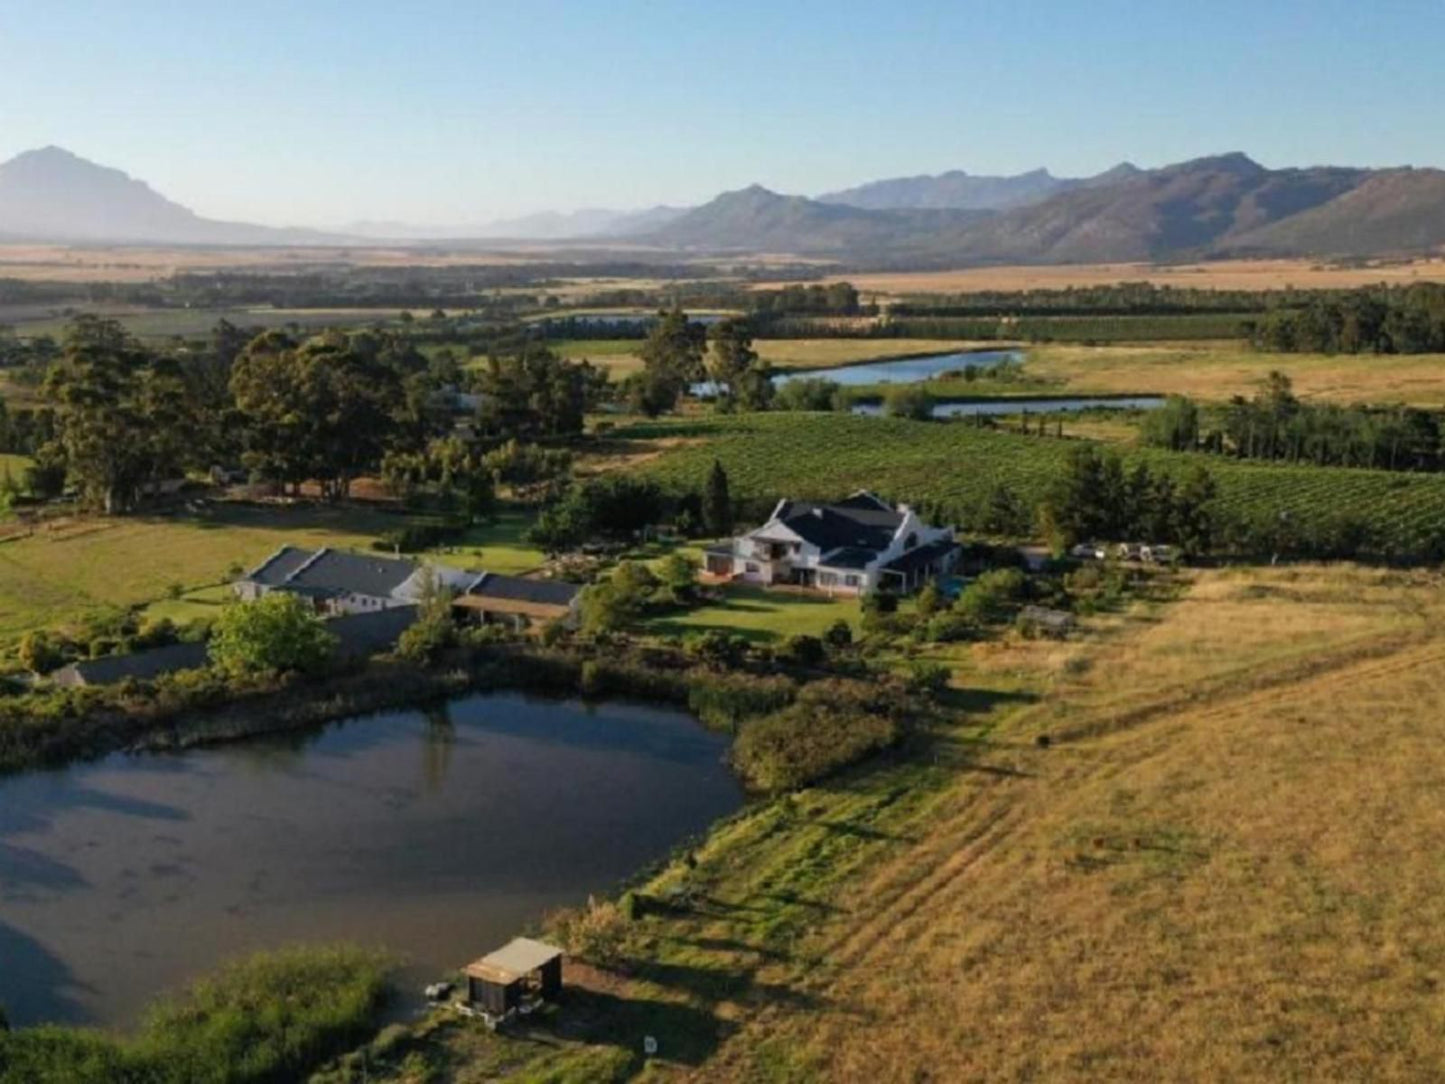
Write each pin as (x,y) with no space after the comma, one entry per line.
(741,379)
(118,412)
(717,505)
(672,359)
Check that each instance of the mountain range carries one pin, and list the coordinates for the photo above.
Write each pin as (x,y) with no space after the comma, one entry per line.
(1224,205)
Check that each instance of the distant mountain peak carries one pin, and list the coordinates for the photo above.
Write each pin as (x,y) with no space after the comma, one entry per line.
(51,193)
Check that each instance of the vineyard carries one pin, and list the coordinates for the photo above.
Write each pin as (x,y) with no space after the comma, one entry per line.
(953,468)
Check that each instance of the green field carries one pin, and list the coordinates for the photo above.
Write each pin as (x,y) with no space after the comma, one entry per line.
(758,615)
(830,455)
(82,566)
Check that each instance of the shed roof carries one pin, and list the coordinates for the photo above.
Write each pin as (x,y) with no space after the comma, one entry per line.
(514,960)
(519,589)
(142,665)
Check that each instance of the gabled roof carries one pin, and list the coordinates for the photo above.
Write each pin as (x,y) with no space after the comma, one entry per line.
(273,571)
(333,572)
(517,589)
(833,526)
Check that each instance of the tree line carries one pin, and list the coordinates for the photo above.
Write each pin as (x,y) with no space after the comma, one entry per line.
(1371,320)
(116,417)
(1276,425)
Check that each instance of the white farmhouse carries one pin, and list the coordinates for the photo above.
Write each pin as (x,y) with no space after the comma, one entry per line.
(855,547)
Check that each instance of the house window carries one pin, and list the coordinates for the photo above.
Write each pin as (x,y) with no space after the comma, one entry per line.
(752,567)
(910,541)
(850,581)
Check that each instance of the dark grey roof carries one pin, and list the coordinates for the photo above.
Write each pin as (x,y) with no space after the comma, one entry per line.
(273,571)
(545,592)
(921,556)
(863,501)
(339,572)
(830,527)
(142,665)
(360,635)
(848,557)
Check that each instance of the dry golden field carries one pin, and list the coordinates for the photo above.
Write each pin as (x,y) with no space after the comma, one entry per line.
(139,263)
(1216,275)
(1217,371)
(1225,867)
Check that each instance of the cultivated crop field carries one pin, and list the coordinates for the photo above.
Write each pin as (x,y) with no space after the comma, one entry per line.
(830,455)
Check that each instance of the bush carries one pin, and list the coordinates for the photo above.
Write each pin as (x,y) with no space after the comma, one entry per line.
(991,598)
(273,1017)
(830,725)
(948,627)
(725,700)
(804,650)
(719,649)
(278,632)
(927,677)
(595,933)
(39,653)
(839,635)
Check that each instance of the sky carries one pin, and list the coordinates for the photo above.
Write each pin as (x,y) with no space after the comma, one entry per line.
(314,112)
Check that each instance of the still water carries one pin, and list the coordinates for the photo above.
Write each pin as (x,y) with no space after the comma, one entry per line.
(436,835)
(904,370)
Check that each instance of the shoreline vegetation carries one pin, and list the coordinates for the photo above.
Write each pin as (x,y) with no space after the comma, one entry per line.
(204,707)
(262,1019)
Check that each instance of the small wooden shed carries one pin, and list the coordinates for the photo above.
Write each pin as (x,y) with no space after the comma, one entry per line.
(500,981)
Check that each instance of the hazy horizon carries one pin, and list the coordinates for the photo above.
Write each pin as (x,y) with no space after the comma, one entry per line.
(341,113)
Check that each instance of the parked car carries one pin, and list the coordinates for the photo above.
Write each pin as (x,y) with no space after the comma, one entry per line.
(1160,554)
(1090,551)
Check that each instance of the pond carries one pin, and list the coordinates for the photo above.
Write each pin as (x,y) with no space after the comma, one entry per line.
(903,370)
(1029,406)
(436,835)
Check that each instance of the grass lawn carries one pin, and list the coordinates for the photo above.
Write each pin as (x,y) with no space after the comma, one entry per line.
(497,546)
(1217,371)
(760,615)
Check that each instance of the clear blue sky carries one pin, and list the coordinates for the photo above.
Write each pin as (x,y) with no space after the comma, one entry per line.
(320,112)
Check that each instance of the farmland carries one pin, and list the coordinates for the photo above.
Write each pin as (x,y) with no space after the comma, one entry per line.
(1216,274)
(957,465)
(1217,371)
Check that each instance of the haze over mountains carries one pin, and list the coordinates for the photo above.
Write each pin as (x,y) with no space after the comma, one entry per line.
(1226,205)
